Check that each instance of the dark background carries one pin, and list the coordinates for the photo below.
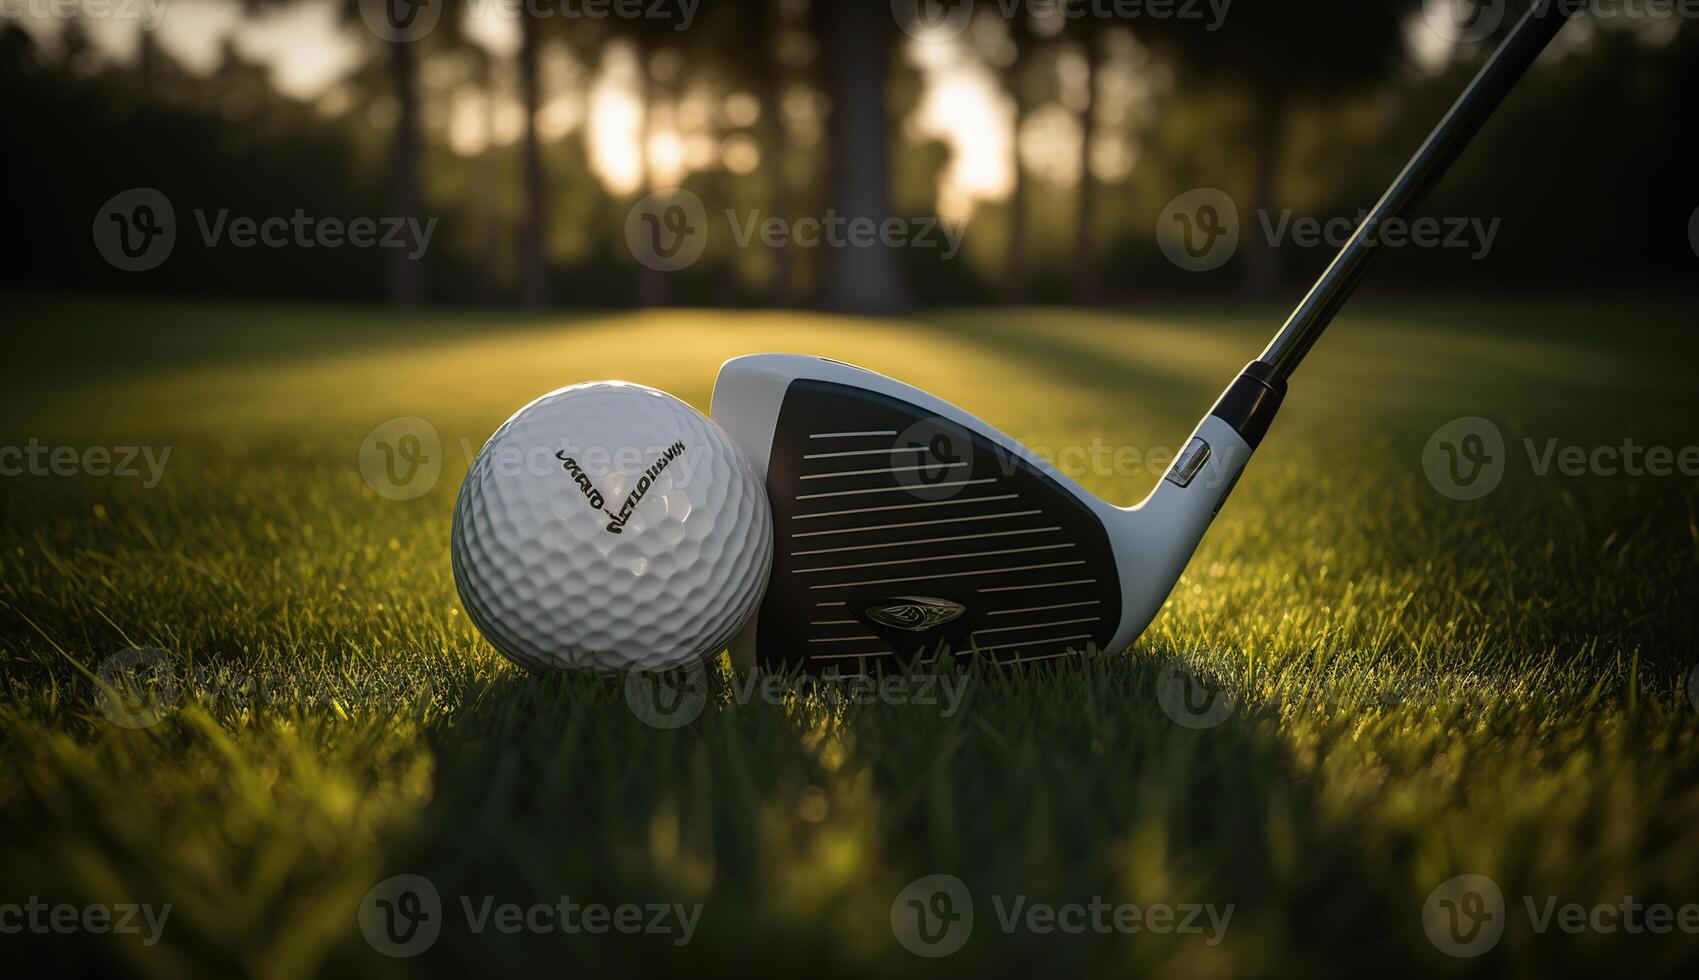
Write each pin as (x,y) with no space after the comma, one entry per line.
(1310,106)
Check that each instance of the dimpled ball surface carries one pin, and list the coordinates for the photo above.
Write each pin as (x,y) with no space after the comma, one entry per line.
(550,585)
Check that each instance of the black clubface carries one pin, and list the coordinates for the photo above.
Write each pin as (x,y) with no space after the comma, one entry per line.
(897,532)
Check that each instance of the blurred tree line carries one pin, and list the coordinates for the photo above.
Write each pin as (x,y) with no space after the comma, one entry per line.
(1307,106)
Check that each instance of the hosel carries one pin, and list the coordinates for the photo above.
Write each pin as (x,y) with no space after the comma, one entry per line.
(1250,402)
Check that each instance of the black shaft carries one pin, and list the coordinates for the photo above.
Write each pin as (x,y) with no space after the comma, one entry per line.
(1436,156)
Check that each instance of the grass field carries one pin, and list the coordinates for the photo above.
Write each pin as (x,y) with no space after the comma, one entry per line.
(1421,687)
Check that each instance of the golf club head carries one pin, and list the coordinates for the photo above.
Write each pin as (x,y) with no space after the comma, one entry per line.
(904,526)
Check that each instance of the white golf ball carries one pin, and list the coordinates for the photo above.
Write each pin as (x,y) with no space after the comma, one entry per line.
(610,526)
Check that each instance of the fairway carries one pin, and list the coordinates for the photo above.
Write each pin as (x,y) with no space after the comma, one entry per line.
(1412,687)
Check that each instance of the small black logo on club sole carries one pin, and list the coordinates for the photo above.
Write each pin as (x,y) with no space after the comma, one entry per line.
(917,614)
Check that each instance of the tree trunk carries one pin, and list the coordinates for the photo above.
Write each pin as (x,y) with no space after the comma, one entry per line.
(147,61)
(653,289)
(1262,258)
(722,263)
(1086,291)
(403,279)
(489,218)
(1014,264)
(533,263)
(773,145)
(866,280)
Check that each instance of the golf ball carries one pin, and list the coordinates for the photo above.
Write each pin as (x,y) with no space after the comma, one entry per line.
(610,526)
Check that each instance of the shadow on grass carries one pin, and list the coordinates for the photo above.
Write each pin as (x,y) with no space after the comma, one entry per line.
(795,822)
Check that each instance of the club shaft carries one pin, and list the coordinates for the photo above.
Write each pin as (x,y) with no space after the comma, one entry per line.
(1536,30)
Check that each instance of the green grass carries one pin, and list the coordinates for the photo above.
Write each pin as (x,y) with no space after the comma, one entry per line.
(1423,687)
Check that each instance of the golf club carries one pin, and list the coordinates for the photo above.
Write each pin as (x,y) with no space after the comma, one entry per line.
(904,525)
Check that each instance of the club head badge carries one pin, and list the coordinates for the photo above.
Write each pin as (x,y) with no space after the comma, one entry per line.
(915,614)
